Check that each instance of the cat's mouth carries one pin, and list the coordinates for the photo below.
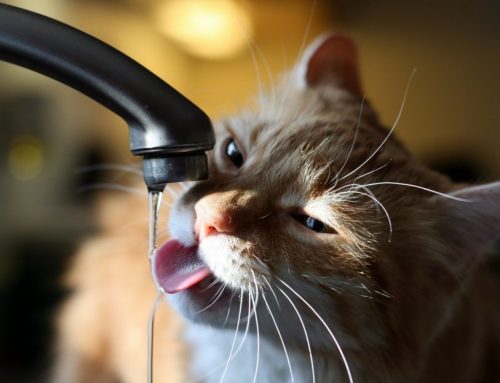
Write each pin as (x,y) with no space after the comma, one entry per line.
(177,267)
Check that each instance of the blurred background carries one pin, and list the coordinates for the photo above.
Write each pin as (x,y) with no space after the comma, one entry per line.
(53,141)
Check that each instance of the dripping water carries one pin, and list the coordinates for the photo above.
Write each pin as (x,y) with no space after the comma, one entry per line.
(151,326)
(154,197)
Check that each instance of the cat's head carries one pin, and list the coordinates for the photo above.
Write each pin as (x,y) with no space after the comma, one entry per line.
(310,200)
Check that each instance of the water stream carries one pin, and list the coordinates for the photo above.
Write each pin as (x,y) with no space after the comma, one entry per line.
(154,198)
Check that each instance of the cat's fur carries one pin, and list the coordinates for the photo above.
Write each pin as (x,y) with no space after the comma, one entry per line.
(399,278)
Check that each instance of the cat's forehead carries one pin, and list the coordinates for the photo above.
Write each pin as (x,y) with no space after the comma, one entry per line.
(303,139)
(299,119)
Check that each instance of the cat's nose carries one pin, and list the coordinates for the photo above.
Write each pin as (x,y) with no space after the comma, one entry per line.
(211,220)
(226,212)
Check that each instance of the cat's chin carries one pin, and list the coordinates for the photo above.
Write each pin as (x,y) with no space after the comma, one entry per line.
(206,302)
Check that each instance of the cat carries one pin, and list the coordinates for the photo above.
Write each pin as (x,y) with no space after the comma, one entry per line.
(319,250)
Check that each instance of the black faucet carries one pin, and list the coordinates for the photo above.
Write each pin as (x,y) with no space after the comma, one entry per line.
(166,129)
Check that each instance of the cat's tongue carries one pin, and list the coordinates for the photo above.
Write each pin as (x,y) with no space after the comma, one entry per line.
(177,267)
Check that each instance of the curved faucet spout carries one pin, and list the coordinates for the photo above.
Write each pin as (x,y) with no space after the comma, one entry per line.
(169,131)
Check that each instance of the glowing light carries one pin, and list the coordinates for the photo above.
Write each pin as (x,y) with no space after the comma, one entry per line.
(206,28)
(25,158)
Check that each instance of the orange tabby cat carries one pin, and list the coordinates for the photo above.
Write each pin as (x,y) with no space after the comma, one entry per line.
(319,250)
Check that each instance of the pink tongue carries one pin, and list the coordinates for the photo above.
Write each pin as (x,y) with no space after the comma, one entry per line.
(177,268)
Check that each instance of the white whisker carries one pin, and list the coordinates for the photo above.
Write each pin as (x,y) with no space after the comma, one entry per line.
(229,309)
(218,294)
(372,171)
(305,333)
(279,335)
(334,289)
(113,186)
(390,131)
(285,92)
(253,56)
(234,339)
(240,346)
(344,360)
(109,166)
(248,318)
(378,204)
(308,28)
(269,72)
(352,145)
(300,53)
(272,291)
(212,284)
(383,293)
(418,187)
(221,288)
(254,300)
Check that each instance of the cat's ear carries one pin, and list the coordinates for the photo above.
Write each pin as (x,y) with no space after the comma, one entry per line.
(331,59)
(473,224)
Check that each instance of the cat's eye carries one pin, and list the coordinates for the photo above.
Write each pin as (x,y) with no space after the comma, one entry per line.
(234,153)
(311,223)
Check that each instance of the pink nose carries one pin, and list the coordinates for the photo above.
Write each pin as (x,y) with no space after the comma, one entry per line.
(211,220)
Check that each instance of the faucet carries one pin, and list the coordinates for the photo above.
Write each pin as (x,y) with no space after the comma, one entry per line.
(166,129)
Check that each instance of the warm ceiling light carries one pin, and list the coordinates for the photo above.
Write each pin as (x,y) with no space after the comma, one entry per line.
(206,28)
